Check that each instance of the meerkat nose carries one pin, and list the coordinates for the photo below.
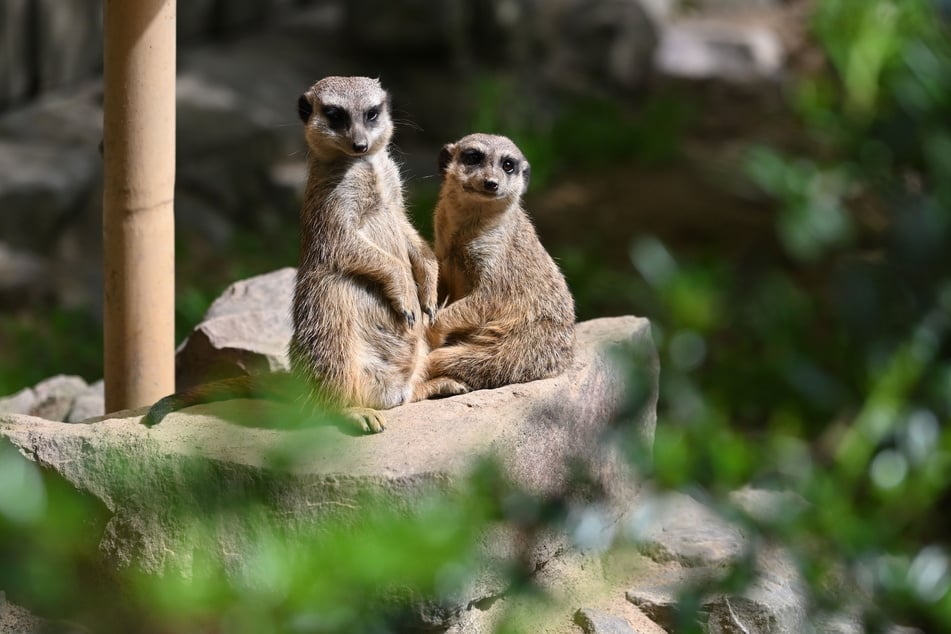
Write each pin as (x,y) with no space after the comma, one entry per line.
(360,147)
(490,185)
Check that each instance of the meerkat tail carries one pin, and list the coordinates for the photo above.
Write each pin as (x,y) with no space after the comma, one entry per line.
(273,387)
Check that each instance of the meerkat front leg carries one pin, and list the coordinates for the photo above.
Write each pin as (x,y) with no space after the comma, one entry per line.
(426,273)
(397,283)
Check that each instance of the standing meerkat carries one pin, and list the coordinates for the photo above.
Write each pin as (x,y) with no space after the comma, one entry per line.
(365,277)
(510,316)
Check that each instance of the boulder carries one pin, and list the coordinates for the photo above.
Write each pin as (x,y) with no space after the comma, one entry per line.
(245,331)
(774,603)
(45,183)
(674,527)
(601,47)
(541,433)
(597,622)
(58,398)
(719,50)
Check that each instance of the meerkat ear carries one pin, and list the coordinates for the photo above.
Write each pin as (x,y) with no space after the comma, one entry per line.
(445,157)
(527,174)
(304,108)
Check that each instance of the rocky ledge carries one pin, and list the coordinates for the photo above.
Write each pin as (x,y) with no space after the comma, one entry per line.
(540,432)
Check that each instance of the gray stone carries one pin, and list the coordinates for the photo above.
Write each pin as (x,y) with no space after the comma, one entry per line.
(600,46)
(245,331)
(658,604)
(87,404)
(69,41)
(19,403)
(55,396)
(540,432)
(16,63)
(597,622)
(769,506)
(719,50)
(774,603)
(42,185)
(63,118)
(15,619)
(675,527)
(733,5)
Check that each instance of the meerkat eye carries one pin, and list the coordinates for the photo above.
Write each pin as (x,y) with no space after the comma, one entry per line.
(335,115)
(472,157)
(508,166)
(373,113)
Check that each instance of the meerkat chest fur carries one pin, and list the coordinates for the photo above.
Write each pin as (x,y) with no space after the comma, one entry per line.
(471,248)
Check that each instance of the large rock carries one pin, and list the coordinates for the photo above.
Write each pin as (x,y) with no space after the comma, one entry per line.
(774,603)
(598,622)
(58,398)
(719,50)
(675,527)
(41,186)
(541,432)
(245,331)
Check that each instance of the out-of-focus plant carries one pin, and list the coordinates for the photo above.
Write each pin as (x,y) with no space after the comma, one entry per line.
(835,361)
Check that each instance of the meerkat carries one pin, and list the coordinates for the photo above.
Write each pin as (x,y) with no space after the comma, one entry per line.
(365,277)
(509,316)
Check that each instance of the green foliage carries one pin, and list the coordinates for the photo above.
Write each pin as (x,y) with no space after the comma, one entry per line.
(579,132)
(830,358)
(67,341)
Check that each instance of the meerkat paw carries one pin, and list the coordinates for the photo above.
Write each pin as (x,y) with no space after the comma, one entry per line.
(367,420)
(439,387)
(431,313)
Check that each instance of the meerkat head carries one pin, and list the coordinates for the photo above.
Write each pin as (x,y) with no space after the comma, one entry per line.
(485,168)
(346,115)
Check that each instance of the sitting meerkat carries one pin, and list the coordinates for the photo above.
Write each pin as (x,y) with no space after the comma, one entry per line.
(510,316)
(365,276)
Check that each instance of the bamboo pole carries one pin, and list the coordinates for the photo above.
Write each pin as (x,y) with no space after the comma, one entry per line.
(138,193)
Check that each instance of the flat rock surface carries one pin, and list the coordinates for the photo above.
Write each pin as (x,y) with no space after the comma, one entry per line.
(304,476)
(597,622)
(675,527)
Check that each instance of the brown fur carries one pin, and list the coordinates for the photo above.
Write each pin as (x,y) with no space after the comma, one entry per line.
(365,277)
(364,271)
(510,316)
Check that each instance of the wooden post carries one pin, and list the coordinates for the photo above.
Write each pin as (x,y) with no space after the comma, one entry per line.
(138,195)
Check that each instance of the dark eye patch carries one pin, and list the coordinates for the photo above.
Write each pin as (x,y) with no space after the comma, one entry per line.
(508,165)
(337,117)
(373,114)
(304,109)
(471,157)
